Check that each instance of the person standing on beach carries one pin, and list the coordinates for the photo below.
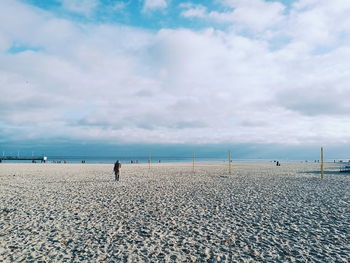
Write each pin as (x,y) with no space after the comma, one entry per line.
(117,167)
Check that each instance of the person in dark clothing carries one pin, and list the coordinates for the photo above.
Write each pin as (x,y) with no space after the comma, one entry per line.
(117,167)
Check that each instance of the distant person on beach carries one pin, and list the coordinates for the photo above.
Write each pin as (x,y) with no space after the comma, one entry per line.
(117,167)
(278,163)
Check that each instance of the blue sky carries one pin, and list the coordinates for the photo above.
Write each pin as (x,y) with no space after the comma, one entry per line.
(128,13)
(133,13)
(225,72)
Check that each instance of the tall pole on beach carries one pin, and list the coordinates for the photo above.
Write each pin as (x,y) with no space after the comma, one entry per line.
(149,160)
(322,167)
(193,157)
(229,162)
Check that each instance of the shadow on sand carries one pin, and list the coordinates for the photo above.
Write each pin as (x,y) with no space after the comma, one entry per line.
(80,181)
(335,172)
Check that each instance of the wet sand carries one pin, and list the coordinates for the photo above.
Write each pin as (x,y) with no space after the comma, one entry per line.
(259,213)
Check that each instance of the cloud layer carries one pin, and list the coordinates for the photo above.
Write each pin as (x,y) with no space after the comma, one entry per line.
(150,5)
(256,72)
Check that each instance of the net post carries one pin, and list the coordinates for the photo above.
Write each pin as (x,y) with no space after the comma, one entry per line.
(193,160)
(322,165)
(149,161)
(229,162)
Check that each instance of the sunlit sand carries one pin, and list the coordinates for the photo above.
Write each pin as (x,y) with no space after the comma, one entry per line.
(259,212)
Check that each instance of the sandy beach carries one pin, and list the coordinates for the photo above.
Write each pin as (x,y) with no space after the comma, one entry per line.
(259,213)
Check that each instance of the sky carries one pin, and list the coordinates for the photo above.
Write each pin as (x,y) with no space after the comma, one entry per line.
(149,72)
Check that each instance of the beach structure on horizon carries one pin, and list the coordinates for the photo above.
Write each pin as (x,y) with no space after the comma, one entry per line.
(23,158)
(345,169)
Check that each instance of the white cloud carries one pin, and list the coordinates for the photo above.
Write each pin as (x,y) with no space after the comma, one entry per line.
(320,23)
(193,11)
(118,6)
(255,15)
(118,83)
(85,7)
(150,5)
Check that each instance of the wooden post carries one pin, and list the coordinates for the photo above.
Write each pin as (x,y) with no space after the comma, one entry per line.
(149,161)
(322,166)
(229,162)
(193,158)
